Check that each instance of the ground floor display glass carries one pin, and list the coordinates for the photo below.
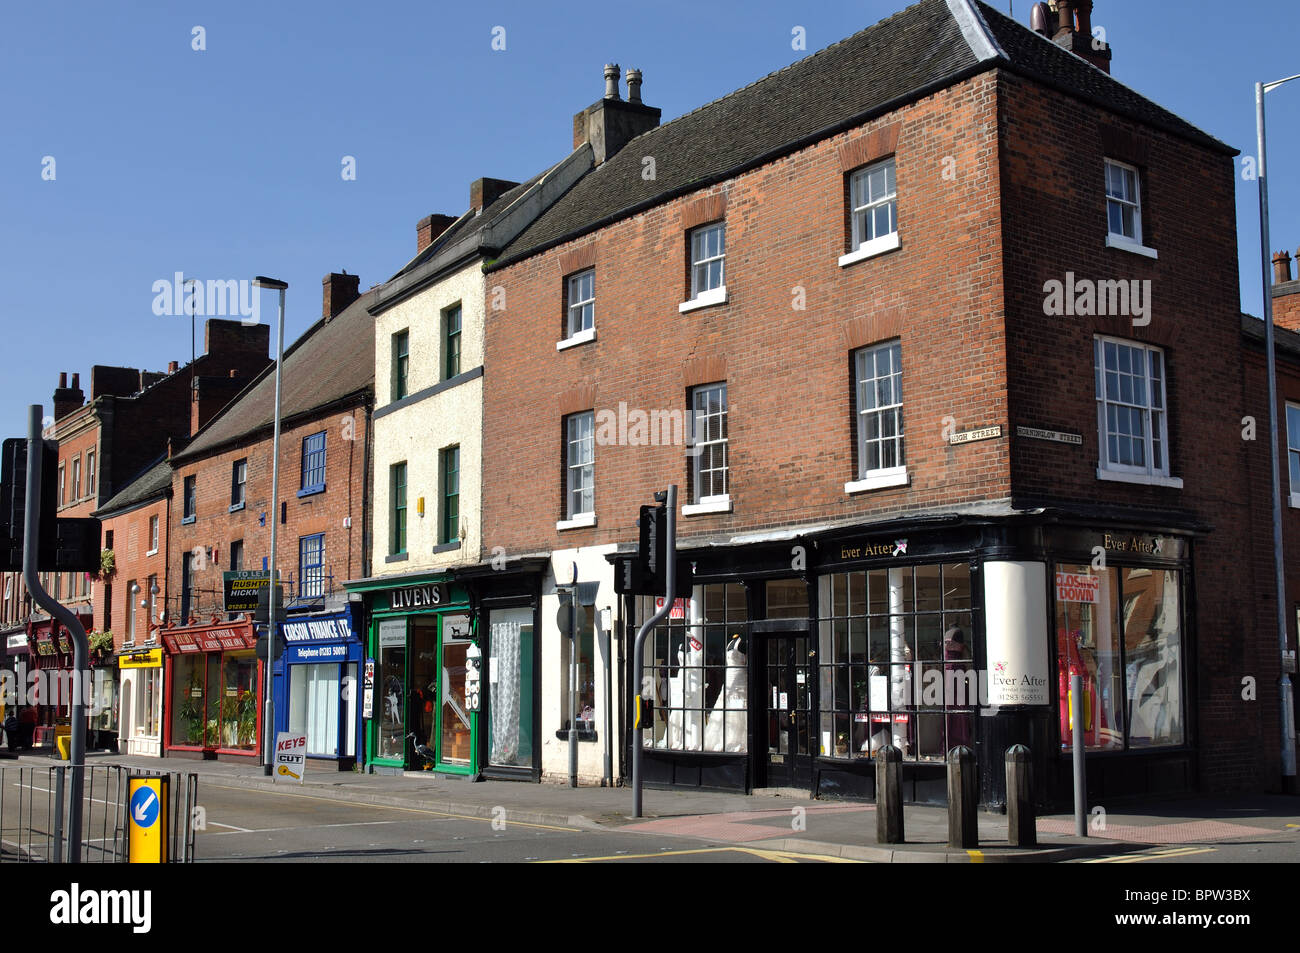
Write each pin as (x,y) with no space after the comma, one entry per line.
(390,684)
(510,687)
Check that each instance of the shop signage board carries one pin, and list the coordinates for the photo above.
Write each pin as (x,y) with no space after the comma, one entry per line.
(146,821)
(1054,436)
(149,658)
(290,756)
(472,678)
(368,693)
(429,595)
(242,587)
(317,630)
(209,640)
(1077,587)
(1016,643)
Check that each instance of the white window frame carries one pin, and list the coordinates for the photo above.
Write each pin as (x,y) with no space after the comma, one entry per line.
(1155,373)
(1114,239)
(862,209)
(702,293)
(579,469)
(1293,451)
(90,472)
(709,430)
(874,478)
(153,536)
(580,316)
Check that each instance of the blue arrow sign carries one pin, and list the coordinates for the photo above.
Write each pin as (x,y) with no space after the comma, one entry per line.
(144,807)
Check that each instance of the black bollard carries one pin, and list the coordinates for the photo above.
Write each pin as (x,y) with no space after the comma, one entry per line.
(963,796)
(1021,829)
(889,795)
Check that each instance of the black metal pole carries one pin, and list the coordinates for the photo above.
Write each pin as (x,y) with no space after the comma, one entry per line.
(638,648)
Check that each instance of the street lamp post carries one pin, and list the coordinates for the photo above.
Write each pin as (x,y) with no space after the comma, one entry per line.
(1284,686)
(273,583)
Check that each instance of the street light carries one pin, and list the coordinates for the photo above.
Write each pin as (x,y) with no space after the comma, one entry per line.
(1284,688)
(273,582)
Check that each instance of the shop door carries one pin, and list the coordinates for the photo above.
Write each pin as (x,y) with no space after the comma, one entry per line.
(422,693)
(787,716)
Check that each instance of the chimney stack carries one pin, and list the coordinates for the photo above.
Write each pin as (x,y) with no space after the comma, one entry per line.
(1286,293)
(1281,267)
(1074,31)
(339,291)
(611,123)
(483,192)
(67,399)
(173,367)
(429,228)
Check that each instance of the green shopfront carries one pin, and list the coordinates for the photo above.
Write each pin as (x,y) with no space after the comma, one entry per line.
(422,656)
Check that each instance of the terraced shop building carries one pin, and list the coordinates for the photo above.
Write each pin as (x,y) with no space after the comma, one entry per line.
(938,310)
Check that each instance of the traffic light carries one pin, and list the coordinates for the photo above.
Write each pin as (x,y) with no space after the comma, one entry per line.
(644,573)
(66,545)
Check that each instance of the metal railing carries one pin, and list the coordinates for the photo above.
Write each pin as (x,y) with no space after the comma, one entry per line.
(34,814)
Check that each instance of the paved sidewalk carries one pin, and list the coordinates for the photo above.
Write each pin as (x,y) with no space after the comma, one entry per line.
(838,828)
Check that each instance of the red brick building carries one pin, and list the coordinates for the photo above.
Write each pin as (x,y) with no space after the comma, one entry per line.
(960,356)
(220,521)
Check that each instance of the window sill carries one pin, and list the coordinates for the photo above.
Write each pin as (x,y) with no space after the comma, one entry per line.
(1295,501)
(719,504)
(1128,245)
(397,557)
(582,337)
(877,246)
(1145,479)
(152,552)
(581,521)
(236,507)
(878,480)
(187,520)
(447,547)
(704,299)
(311,491)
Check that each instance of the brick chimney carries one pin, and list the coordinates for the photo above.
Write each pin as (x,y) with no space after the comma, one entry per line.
(429,228)
(1074,33)
(339,292)
(67,399)
(1286,293)
(483,192)
(611,123)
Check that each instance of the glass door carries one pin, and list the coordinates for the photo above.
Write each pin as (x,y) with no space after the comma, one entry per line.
(787,698)
(455,726)
(422,692)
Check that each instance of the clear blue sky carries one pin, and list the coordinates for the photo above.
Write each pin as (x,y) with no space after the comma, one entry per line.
(226,163)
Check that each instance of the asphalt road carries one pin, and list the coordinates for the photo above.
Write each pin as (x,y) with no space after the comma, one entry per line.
(245,825)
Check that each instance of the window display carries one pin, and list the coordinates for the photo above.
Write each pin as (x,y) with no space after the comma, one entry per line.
(391,689)
(510,687)
(896,650)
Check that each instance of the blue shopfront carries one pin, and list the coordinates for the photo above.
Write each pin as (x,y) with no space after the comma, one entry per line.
(316,685)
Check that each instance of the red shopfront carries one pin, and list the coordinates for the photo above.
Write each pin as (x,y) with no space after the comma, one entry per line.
(213,704)
(50,659)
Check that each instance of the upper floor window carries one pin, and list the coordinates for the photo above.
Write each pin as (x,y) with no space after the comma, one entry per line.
(878,390)
(397,521)
(709,417)
(401,363)
(1293,450)
(191,499)
(237,555)
(90,473)
(76,478)
(582,302)
(238,483)
(153,534)
(873,218)
(1124,201)
(451,342)
(708,260)
(313,464)
(63,485)
(449,532)
(311,566)
(579,432)
(1131,414)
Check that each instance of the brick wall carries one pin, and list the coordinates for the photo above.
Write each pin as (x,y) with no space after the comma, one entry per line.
(134,561)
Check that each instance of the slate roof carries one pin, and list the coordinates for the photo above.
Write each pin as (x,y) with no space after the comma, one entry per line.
(928,46)
(332,360)
(154,483)
(1284,341)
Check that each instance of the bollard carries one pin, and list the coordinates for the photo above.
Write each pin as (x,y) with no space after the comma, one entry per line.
(889,795)
(1021,830)
(963,796)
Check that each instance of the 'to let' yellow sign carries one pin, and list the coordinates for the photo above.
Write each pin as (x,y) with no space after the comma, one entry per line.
(146,822)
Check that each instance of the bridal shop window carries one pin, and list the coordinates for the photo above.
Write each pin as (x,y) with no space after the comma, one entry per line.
(696,673)
(896,648)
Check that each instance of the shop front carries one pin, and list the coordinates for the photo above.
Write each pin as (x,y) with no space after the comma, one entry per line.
(423,646)
(317,685)
(140,706)
(50,660)
(213,702)
(783,672)
(14,666)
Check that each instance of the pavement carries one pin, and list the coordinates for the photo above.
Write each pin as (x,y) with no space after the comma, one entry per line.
(785,821)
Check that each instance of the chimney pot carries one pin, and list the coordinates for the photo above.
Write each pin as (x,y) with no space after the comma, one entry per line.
(633,85)
(173,367)
(63,379)
(76,381)
(1065,17)
(611,81)
(1281,267)
(234,372)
